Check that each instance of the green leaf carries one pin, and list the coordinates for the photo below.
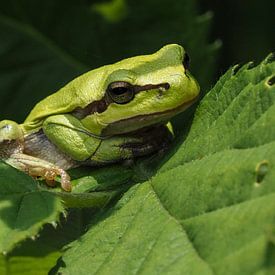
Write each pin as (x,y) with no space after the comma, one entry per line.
(96,187)
(24,208)
(29,265)
(139,235)
(210,209)
(41,52)
(237,113)
(26,205)
(40,255)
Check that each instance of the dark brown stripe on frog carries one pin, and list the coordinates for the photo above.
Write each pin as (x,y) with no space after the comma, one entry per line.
(143,118)
(101,105)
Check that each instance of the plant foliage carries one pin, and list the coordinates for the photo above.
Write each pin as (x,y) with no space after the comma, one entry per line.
(206,207)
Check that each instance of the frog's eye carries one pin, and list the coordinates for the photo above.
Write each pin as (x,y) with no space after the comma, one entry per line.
(186,61)
(121,92)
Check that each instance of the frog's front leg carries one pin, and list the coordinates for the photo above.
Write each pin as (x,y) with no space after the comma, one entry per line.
(36,167)
(12,145)
(68,134)
(133,145)
(73,139)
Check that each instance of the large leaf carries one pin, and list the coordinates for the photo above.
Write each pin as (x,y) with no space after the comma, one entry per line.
(211,208)
(138,235)
(40,52)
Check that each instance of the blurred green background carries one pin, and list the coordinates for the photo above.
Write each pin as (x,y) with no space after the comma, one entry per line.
(245,27)
(44,44)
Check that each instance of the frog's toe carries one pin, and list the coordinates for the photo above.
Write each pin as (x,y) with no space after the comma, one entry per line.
(65,181)
(50,174)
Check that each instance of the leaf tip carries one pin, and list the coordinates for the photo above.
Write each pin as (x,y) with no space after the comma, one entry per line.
(64,214)
(250,65)
(269,59)
(235,69)
(54,224)
(35,237)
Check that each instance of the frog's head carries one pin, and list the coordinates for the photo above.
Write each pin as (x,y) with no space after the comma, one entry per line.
(141,91)
(125,96)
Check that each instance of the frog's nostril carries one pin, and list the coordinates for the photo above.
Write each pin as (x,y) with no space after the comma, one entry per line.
(165,86)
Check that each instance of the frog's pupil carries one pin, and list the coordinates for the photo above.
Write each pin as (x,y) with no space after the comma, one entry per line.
(120,90)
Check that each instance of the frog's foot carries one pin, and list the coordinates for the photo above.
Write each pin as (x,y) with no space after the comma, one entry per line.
(37,167)
(49,174)
(151,140)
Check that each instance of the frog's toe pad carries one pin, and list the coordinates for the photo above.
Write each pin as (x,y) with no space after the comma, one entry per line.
(50,174)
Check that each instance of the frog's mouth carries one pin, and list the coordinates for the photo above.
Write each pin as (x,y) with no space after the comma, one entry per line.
(138,123)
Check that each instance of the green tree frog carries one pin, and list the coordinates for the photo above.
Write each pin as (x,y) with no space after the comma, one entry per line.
(113,113)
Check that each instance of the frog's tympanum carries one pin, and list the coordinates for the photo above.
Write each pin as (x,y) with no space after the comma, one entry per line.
(113,113)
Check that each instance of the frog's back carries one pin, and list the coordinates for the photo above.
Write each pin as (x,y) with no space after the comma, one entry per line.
(77,93)
(91,86)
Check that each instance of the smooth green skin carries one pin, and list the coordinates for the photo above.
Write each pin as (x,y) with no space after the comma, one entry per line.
(80,138)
